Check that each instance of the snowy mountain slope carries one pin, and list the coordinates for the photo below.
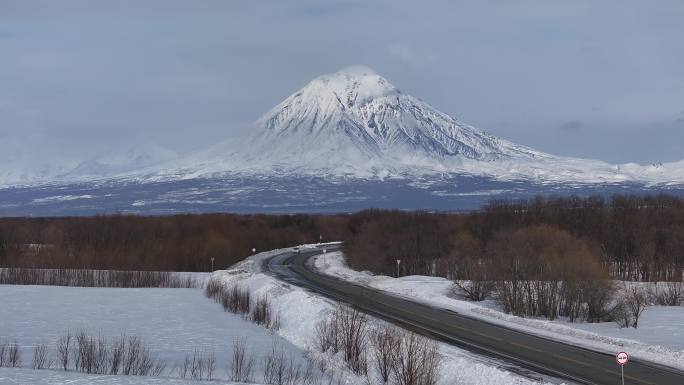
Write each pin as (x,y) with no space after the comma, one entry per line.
(356,123)
(113,163)
(353,124)
(358,105)
(18,166)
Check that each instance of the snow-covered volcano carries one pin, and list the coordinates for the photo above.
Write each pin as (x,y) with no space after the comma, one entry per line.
(359,110)
(345,142)
(356,123)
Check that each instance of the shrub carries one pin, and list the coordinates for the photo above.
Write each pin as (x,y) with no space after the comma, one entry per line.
(415,361)
(116,356)
(10,355)
(473,290)
(237,300)
(384,342)
(671,295)
(242,364)
(281,370)
(630,306)
(41,359)
(263,314)
(64,350)
(126,355)
(345,330)
(199,366)
(97,278)
(353,327)
(327,336)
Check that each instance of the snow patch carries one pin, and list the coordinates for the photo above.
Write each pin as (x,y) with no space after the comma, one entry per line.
(61,198)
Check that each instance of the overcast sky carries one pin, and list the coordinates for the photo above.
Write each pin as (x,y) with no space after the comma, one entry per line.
(597,79)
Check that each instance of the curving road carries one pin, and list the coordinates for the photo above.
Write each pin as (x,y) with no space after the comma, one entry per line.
(528,351)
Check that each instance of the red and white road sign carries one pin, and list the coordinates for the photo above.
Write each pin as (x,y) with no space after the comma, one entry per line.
(622,358)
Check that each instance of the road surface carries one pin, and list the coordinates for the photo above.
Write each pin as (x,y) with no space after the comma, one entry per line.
(535,353)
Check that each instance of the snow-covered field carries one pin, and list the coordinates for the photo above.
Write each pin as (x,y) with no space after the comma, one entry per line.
(171,322)
(12,376)
(300,311)
(659,338)
(175,322)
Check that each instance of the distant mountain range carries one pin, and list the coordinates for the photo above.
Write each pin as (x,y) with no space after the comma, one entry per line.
(340,135)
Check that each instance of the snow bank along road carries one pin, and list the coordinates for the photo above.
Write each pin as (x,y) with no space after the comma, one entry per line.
(536,353)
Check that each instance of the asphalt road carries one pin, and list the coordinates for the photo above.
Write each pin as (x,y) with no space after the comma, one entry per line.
(538,354)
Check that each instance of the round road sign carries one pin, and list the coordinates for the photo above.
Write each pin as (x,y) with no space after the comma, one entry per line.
(622,358)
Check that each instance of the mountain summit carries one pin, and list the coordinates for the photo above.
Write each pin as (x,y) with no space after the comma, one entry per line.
(354,121)
(359,106)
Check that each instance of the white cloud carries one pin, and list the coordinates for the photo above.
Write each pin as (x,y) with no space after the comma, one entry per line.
(92,74)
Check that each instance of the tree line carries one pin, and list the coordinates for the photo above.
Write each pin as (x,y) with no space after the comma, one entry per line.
(635,238)
(547,257)
(176,243)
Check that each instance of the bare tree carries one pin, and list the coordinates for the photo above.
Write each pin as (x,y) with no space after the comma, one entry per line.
(242,363)
(416,361)
(384,341)
(102,357)
(96,278)
(353,327)
(197,366)
(309,376)
(13,355)
(209,366)
(64,350)
(41,359)
(671,295)
(637,300)
(10,355)
(346,330)
(185,368)
(3,354)
(473,290)
(238,300)
(275,366)
(326,337)
(630,306)
(621,314)
(117,355)
(281,370)
(213,288)
(158,368)
(91,355)
(132,356)
(263,314)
